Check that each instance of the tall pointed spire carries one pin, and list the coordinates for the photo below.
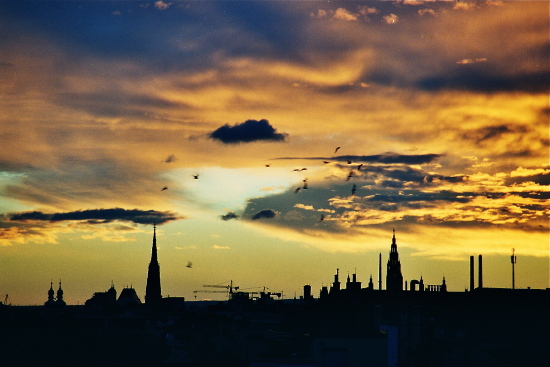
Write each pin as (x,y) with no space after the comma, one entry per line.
(394,278)
(152,290)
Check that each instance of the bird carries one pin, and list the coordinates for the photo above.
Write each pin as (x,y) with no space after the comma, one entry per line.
(326,162)
(353,188)
(164,188)
(349,176)
(305,183)
(297,190)
(349,162)
(322,218)
(189,265)
(268,165)
(335,150)
(196,177)
(359,167)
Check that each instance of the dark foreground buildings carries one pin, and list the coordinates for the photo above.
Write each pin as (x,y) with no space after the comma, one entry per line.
(347,325)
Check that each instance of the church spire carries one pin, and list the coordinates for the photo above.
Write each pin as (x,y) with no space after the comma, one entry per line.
(394,278)
(152,291)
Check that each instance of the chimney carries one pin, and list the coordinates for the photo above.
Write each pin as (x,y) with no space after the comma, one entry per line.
(480,272)
(380,272)
(471,273)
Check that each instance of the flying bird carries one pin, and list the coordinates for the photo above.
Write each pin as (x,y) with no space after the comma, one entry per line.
(164,188)
(349,162)
(189,265)
(353,188)
(335,150)
(297,190)
(322,218)
(268,165)
(349,176)
(305,183)
(196,177)
(359,167)
(325,162)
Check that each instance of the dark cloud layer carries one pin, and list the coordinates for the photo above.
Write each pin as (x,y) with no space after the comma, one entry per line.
(387,158)
(248,131)
(229,216)
(97,216)
(264,214)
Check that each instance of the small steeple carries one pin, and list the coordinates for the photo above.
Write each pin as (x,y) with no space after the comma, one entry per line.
(59,301)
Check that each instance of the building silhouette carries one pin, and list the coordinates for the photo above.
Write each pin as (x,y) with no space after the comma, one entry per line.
(405,325)
(152,290)
(394,278)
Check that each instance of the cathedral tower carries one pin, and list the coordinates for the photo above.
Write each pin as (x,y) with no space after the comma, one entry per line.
(394,278)
(152,291)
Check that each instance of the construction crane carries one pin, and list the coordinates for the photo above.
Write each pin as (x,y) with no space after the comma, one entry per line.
(229,288)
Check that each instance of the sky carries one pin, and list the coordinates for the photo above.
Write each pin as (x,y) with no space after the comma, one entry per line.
(272,142)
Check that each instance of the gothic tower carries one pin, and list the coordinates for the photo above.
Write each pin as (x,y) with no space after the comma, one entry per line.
(152,291)
(394,278)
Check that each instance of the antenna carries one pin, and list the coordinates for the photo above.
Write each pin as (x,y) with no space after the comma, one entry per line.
(513,261)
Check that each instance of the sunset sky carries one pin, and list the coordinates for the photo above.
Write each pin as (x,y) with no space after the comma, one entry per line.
(427,117)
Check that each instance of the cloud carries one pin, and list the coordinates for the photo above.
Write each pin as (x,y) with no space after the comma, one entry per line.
(264,214)
(471,61)
(229,216)
(423,12)
(391,19)
(99,216)
(482,134)
(246,132)
(171,158)
(387,158)
(343,14)
(217,247)
(161,5)
(486,80)
(363,11)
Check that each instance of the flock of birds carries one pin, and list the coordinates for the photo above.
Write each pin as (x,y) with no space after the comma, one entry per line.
(304,186)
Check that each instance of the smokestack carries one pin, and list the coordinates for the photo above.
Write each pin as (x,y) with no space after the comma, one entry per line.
(513,260)
(471,273)
(480,272)
(380,272)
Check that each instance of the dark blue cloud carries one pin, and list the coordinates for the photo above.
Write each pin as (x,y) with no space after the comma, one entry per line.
(229,216)
(264,214)
(96,216)
(485,81)
(248,131)
(387,158)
